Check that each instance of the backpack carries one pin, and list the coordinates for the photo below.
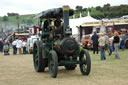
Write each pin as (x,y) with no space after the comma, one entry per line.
(6,48)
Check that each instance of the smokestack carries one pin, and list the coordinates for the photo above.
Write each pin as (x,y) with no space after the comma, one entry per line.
(66,17)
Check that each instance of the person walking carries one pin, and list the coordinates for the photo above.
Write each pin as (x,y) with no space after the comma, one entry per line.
(14,43)
(106,41)
(116,42)
(24,46)
(110,47)
(19,45)
(102,46)
(95,42)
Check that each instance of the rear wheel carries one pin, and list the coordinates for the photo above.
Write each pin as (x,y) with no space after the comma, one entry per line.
(39,62)
(85,62)
(53,64)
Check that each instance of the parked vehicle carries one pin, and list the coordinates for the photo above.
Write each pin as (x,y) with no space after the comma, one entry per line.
(30,43)
(106,29)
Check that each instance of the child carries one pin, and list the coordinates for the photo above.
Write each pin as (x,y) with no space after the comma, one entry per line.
(6,49)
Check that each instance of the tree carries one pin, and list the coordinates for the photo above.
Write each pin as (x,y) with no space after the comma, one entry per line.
(84,9)
(106,7)
(12,14)
(5,18)
(89,9)
(79,8)
(17,17)
(99,8)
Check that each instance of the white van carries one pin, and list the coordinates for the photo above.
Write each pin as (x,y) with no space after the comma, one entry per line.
(30,42)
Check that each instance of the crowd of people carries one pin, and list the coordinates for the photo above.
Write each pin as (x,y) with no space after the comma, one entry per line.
(17,44)
(110,44)
(101,41)
(20,45)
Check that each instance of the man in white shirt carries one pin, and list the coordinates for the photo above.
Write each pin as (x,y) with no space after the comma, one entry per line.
(14,43)
(19,45)
(24,46)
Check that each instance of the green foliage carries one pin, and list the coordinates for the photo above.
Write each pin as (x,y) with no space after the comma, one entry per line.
(79,8)
(98,8)
(98,12)
(5,18)
(106,11)
(12,14)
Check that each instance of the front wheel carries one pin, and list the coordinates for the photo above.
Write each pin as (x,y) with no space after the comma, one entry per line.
(39,62)
(53,64)
(85,62)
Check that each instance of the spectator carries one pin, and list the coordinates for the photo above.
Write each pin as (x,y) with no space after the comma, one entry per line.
(19,45)
(24,46)
(106,42)
(110,46)
(122,44)
(1,45)
(6,48)
(95,42)
(14,43)
(116,42)
(102,46)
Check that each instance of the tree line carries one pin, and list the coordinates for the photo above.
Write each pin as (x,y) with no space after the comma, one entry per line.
(5,18)
(106,11)
(97,12)
(17,17)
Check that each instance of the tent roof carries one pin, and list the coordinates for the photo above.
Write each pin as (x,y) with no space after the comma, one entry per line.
(88,18)
(81,20)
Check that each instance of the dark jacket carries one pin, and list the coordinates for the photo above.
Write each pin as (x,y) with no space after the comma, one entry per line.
(95,39)
(116,39)
(1,44)
(46,24)
(57,23)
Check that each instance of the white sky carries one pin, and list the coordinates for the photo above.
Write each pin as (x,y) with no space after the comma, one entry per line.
(36,6)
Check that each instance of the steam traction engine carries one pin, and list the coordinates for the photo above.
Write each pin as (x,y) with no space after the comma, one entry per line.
(60,49)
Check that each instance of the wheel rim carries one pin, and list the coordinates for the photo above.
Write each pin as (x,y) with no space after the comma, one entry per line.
(35,57)
(51,65)
(84,64)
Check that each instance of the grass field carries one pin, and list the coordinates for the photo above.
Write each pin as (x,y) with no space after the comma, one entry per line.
(18,70)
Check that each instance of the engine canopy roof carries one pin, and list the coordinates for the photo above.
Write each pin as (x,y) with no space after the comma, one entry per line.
(53,13)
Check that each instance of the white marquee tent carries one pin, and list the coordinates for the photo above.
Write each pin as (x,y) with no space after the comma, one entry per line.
(79,21)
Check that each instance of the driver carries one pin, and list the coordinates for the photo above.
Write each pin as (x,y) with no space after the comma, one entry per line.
(57,22)
(58,26)
(47,23)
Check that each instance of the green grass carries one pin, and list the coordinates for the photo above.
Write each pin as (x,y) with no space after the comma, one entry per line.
(19,70)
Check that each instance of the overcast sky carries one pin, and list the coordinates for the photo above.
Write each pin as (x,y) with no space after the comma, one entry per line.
(36,6)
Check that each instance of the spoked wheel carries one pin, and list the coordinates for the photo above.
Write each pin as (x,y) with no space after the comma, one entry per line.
(85,62)
(53,64)
(39,62)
